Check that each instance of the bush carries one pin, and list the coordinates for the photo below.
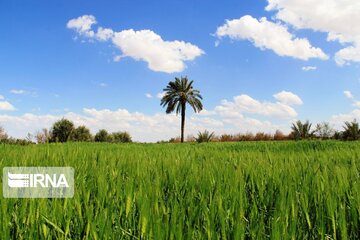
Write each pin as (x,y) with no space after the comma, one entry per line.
(279,136)
(121,137)
(16,141)
(246,137)
(205,136)
(175,140)
(260,136)
(102,136)
(225,138)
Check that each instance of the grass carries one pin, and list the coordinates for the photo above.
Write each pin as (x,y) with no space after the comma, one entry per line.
(246,190)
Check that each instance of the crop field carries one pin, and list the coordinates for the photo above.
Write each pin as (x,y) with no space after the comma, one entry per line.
(244,190)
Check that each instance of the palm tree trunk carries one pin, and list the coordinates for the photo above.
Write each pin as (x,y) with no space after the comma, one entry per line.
(182,121)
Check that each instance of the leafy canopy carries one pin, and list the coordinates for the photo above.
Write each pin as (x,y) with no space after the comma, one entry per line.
(180,92)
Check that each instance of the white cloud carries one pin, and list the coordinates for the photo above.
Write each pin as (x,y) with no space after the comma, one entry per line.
(23,92)
(309,68)
(339,19)
(104,34)
(246,124)
(268,35)
(339,119)
(117,58)
(2,97)
(163,56)
(6,106)
(205,112)
(160,95)
(246,104)
(206,121)
(348,94)
(144,45)
(288,98)
(82,25)
(18,91)
(347,55)
(356,104)
(148,95)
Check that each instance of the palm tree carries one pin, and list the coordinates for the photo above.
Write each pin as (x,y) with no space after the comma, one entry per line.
(205,136)
(178,93)
(301,130)
(351,130)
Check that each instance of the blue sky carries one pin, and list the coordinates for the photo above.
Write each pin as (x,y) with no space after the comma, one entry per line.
(52,67)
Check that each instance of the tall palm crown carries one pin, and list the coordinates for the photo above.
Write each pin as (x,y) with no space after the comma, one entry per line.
(178,93)
(301,130)
(351,130)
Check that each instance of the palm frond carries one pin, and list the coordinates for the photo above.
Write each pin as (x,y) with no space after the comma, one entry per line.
(180,92)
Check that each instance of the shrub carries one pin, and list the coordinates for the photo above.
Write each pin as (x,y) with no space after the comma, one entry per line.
(205,136)
(121,137)
(246,137)
(228,138)
(175,140)
(16,141)
(102,136)
(260,136)
(279,136)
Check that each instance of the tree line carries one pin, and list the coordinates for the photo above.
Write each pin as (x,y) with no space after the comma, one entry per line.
(177,95)
(299,131)
(64,130)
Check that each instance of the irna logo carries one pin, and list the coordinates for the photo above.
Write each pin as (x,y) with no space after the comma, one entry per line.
(38,182)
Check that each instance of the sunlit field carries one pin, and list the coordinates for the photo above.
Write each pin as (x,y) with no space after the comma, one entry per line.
(245,190)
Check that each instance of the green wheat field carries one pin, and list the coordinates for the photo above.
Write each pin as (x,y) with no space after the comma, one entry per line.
(243,190)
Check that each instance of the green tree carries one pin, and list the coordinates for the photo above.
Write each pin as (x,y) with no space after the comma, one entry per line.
(351,130)
(178,93)
(301,130)
(62,130)
(121,137)
(81,134)
(102,136)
